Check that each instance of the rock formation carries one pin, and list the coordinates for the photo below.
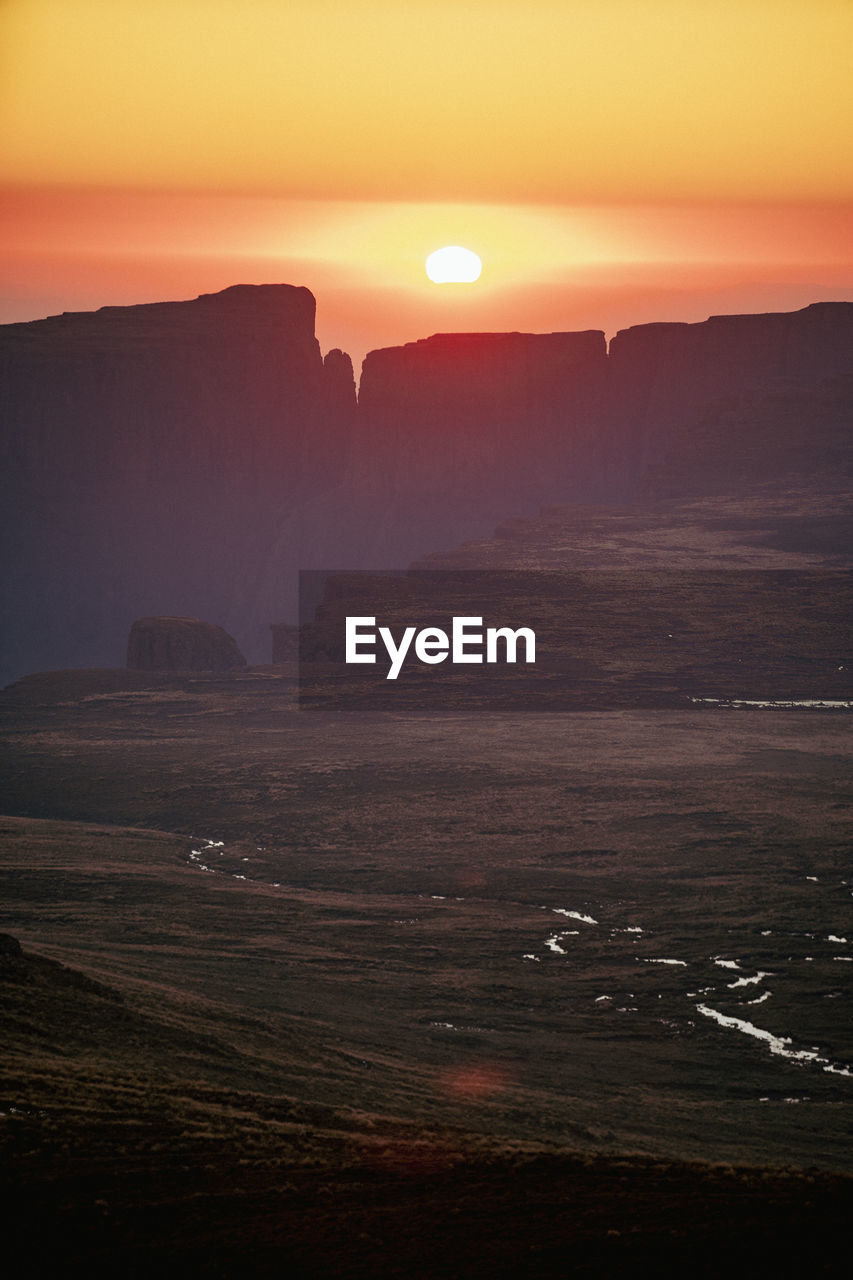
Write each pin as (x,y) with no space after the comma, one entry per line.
(149,457)
(181,644)
(458,429)
(476,412)
(190,457)
(670,382)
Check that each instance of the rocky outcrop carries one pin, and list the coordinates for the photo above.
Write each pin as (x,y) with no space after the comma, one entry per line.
(556,417)
(477,412)
(667,380)
(340,382)
(181,644)
(150,455)
(666,366)
(458,429)
(189,458)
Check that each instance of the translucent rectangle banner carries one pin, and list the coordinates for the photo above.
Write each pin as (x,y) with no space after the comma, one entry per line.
(458,640)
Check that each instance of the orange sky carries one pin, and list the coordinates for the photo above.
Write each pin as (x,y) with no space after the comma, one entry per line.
(612,161)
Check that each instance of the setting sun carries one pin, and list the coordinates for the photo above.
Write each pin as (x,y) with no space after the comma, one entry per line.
(453,265)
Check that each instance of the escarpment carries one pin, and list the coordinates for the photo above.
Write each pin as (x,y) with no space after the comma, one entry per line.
(186,459)
(149,454)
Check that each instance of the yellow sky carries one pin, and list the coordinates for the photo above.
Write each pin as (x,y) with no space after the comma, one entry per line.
(554,101)
(611,161)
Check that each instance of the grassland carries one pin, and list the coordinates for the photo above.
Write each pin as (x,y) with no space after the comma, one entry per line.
(413,1017)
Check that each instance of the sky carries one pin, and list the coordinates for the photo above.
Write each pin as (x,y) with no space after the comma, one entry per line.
(611,161)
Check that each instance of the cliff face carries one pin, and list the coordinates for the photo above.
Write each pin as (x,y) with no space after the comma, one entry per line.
(458,429)
(188,458)
(759,438)
(148,454)
(664,365)
(168,393)
(470,409)
(668,381)
(546,417)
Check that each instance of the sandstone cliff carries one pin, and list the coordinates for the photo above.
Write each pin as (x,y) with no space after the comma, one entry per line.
(188,458)
(459,430)
(668,381)
(482,410)
(148,456)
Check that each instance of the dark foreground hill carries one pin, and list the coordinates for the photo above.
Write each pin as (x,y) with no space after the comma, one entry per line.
(186,459)
(144,1133)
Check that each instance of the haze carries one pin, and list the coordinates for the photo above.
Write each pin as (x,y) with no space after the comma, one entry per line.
(610,163)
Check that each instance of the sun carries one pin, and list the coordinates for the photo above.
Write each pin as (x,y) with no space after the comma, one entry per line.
(453,265)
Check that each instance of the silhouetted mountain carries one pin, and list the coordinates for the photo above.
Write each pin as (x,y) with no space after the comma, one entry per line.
(735,399)
(550,417)
(454,412)
(188,458)
(149,455)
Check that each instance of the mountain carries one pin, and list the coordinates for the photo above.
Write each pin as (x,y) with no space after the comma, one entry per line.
(187,458)
(148,454)
(735,400)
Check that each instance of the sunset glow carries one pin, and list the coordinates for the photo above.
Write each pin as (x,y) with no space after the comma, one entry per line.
(610,163)
(403,99)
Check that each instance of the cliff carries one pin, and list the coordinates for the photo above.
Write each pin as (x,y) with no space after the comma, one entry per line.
(459,430)
(475,411)
(187,458)
(148,456)
(669,382)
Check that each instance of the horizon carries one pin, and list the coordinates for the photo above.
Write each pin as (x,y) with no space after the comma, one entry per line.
(616,164)
(359,358)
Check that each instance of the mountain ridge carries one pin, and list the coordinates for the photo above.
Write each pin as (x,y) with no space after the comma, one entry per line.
(187,458)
